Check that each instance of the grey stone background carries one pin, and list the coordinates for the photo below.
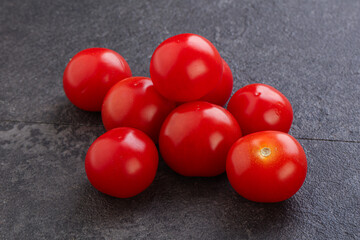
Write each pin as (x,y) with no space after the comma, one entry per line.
(309,50)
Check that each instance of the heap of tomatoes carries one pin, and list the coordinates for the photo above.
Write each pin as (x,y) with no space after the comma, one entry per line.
(179,109)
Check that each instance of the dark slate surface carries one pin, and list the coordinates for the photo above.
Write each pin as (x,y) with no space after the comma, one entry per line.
(309,50)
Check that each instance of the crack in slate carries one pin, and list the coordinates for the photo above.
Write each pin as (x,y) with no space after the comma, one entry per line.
(98,125)
(51,123)
(328,140)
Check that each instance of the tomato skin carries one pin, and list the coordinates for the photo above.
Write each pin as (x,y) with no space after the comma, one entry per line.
(185,67)
(259,107)
(222,92)
(134,102)
(122,162)
(196,137)
(266,176)
(90,74)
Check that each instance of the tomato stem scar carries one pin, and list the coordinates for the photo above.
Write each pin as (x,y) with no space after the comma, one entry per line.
(265,151)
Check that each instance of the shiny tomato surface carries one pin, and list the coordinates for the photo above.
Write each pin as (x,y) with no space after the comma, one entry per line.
(122,162)
(259,107)
(268,166)
(134,102)
(185,67)
(196,137)
(222,92)
(90,74)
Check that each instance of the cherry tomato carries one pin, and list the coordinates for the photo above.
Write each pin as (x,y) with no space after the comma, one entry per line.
(268,166)
(196,137)
(258,107)
(122,162)
(185,67)
(134,102)
(90,74)
(221,93)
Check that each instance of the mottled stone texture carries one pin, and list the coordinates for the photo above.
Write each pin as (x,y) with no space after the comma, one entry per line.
(309,50)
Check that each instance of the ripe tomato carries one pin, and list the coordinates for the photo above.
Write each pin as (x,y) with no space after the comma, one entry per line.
(90,74)
(196,137)
(267,166)
(258,107)
(185,67)
(122,162)
(134,102)
(221,93)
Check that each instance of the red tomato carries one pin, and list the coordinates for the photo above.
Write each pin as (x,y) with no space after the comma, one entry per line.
(134,102)
(185,67)
(267,166)
(122,162)
(221,93)
(90,74)
(196,137)
(258,107)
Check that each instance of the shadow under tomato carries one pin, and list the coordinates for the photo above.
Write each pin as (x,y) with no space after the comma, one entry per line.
(258,219)
(66,112)
(98,208)
(208,205)
(213,198)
